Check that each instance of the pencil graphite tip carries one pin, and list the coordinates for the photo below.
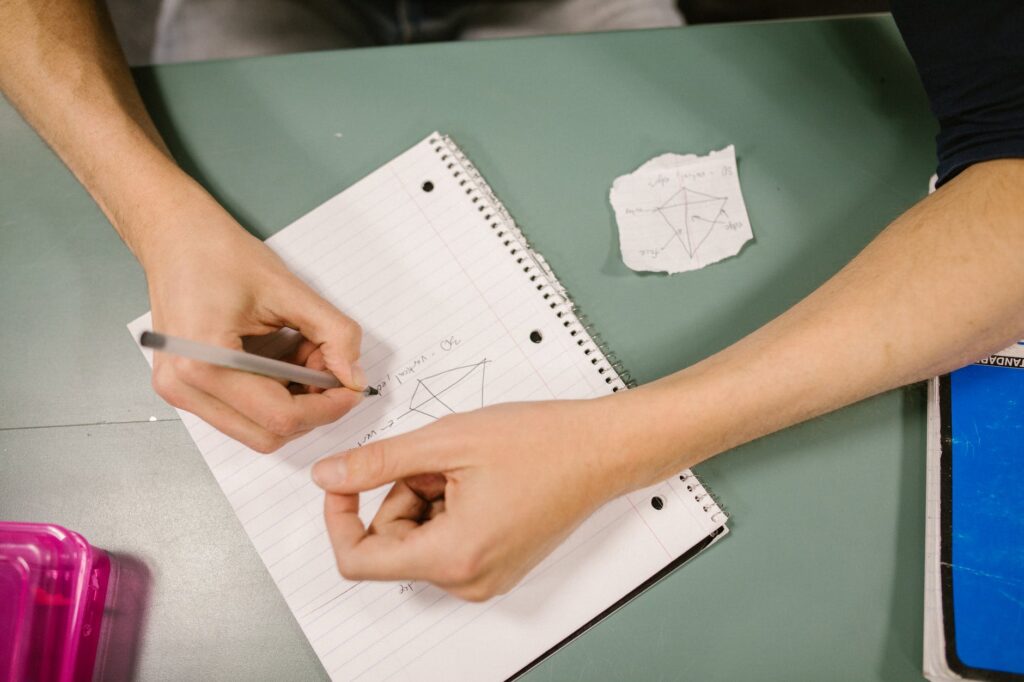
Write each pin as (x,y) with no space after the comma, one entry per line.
(152,340)
(370,390)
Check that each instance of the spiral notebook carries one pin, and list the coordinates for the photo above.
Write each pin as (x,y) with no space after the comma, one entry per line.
(458,312)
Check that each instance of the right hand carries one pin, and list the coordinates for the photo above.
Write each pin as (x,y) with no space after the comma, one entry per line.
(481,497)
(211,281)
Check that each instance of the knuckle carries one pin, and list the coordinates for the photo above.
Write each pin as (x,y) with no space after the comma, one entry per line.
(465,568)
(266,443)
(446,575)
(283,423)
(355,333)
(346,332)
(349,330)
(476,592)
(346,569)
(503,588)
(167,387)
(188,370)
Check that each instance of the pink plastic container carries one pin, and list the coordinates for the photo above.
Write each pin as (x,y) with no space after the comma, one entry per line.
(53,586)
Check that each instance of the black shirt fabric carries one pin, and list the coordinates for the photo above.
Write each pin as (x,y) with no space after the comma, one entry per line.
(970,54)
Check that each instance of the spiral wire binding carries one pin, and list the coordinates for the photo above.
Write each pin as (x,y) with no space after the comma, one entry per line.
(541,276)
(702,496)
(547,285)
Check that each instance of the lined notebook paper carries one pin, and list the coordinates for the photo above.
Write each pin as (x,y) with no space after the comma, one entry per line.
(423,255)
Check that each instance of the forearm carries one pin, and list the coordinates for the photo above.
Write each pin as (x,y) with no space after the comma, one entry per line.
(61,66)
(940,287)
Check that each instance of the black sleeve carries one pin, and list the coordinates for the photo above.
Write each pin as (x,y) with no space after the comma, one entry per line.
(970,54)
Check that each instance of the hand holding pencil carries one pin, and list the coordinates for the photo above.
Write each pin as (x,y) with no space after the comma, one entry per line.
(246,362)
(212,290)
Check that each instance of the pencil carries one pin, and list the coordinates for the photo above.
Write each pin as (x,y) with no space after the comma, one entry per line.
(247,362)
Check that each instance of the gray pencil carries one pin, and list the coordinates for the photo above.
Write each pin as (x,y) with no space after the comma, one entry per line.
(247,362)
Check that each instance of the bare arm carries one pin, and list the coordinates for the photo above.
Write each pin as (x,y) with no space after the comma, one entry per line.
(938,288)
(61,66)
(208,278)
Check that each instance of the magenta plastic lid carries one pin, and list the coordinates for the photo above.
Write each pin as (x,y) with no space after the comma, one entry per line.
(53,586)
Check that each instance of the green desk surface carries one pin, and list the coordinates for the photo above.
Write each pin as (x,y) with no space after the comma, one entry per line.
(821,578)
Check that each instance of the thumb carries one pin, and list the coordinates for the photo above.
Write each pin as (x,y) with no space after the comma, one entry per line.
(336,335)
(381,462)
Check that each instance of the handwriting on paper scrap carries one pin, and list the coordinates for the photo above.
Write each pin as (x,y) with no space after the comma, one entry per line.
(677,213)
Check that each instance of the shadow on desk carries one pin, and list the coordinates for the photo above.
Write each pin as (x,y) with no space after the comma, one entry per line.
(124,619)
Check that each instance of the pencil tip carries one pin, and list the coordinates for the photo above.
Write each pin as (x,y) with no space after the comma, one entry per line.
(152,340)
(371,391)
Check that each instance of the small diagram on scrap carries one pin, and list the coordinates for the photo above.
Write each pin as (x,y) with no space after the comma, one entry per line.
(681,212)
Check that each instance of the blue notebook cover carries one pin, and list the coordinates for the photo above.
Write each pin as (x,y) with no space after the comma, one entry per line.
(982,518)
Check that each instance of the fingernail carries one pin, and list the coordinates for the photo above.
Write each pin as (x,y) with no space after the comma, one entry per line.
(359,376)
(330,472)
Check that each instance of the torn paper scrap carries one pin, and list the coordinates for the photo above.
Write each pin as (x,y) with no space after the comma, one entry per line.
(681,212)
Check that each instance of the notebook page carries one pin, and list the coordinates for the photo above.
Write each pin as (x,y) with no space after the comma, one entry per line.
(447,313)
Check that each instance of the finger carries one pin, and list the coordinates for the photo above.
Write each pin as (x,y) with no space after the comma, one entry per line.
(337,335)
(437,508)
(361,556)
(307,354)
(312,357)
(267,402)
(300,355)
(420,452)
(429,487)
(400,512)
(216,413)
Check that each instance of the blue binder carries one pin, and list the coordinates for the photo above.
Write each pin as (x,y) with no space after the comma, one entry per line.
(982,518)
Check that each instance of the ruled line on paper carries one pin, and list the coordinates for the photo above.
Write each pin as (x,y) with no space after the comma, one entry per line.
(412,268)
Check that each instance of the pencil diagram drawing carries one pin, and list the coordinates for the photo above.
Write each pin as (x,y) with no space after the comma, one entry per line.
(680,212)
(691,217)
(453,390)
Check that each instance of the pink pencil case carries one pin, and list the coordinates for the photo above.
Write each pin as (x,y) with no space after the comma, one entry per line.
(53,587)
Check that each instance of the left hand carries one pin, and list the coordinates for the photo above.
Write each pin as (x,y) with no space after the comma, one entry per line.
(480,498)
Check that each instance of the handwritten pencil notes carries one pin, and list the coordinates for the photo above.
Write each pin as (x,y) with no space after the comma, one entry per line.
(681,212)
(449,295)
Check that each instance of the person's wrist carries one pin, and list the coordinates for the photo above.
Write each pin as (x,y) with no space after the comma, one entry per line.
(631,450)
(173,220)
(141,200)
(153,204)
(652,432)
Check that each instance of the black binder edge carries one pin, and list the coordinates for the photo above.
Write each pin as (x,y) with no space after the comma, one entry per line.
(946,545)
(636,592)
